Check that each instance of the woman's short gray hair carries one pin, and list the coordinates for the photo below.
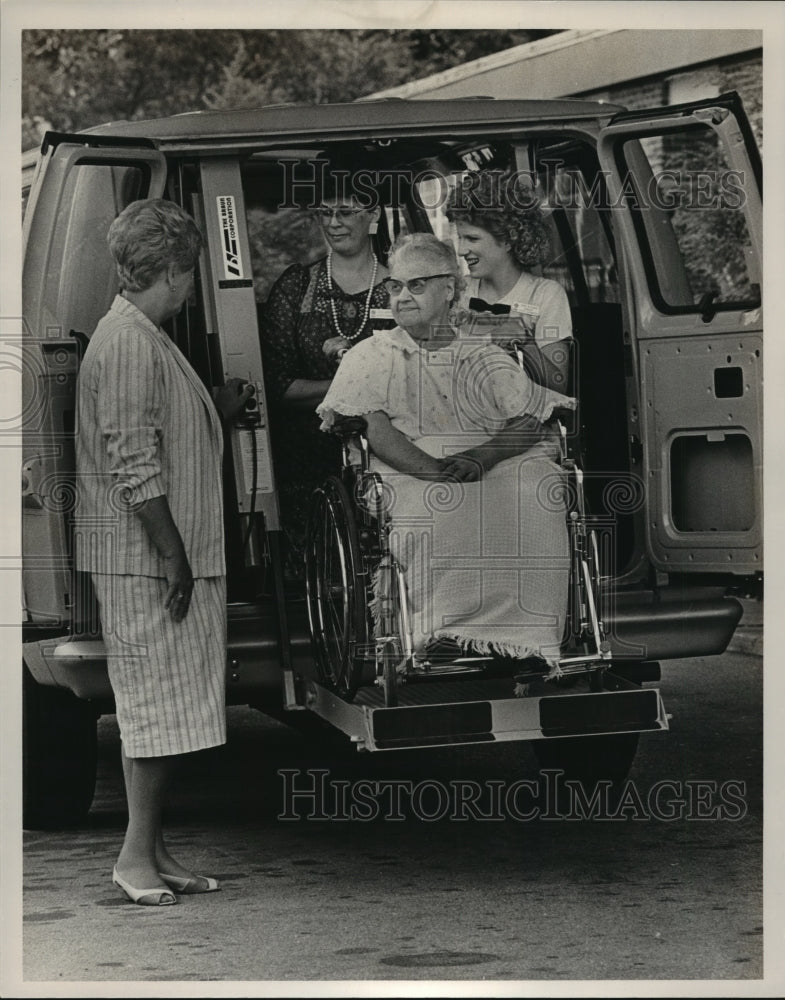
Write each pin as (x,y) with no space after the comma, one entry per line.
(148,236)
(435,251)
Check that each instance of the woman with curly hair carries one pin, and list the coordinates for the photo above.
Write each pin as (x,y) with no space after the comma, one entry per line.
(502,235)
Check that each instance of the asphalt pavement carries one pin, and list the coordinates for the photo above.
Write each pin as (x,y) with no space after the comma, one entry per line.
(664,886)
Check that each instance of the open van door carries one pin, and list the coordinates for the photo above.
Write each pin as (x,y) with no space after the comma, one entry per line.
(69,281)
(685,186)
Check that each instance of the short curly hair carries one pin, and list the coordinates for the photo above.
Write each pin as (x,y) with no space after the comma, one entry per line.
(148,236)
(426,245)
(494,201)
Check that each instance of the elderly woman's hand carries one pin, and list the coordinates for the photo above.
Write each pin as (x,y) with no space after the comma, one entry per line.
(230,398)
(463,468)
(335,347)
(517,436)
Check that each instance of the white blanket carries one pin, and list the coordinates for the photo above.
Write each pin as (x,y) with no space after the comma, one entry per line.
(486,563)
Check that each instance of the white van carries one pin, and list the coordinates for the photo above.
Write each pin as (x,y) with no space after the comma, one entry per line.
(656,236)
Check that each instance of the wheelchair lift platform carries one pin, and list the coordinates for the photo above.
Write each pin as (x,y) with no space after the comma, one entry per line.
(463,712)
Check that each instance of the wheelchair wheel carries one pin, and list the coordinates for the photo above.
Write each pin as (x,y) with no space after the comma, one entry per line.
(336,598)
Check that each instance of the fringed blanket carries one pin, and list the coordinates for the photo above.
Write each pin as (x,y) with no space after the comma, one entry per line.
(486,563)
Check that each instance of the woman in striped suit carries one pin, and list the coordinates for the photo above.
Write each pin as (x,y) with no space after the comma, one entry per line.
(150,531)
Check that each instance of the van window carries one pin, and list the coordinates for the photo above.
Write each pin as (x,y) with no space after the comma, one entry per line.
(581,256)
(585,264)
(278,235)
(694,205)
(417,181)
(282,230)
(29,166)
(80,274)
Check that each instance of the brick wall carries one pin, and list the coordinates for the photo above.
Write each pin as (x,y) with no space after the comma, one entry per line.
(744,76)
(740,73)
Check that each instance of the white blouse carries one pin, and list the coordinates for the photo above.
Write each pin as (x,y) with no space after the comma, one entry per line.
(444,401)
(539,303)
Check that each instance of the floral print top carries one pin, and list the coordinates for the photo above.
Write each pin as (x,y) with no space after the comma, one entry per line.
(294,323)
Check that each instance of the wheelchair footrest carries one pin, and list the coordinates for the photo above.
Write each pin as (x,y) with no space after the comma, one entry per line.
(442,667)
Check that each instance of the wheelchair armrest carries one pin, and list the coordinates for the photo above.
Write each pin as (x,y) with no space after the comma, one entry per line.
(564,421)
(563,415)
(348,427)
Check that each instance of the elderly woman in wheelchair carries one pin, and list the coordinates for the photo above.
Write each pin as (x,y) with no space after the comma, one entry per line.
(443,547)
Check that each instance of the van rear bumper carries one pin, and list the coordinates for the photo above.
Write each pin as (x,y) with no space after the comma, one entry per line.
(253,661)
(649,626)
(640,626)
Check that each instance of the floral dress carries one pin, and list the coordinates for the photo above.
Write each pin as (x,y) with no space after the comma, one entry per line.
(294,323)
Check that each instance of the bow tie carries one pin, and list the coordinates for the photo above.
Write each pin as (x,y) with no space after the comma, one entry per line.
(480,305)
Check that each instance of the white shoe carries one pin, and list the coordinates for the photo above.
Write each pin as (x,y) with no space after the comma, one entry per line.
(144,897)
(189,886)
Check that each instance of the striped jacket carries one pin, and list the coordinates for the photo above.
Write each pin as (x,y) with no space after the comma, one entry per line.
(146,427)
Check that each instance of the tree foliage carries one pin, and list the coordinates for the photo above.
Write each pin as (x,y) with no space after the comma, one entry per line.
(74,79)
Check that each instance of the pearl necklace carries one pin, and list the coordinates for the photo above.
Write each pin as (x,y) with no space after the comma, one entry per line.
(366,310)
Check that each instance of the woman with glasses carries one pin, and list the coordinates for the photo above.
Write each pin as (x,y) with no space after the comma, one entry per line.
(457,433)
(313,315)
(502,235)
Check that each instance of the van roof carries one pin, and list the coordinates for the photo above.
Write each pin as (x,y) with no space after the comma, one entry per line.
(323,120)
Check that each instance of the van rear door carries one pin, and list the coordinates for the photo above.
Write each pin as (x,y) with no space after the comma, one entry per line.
(685,186)
(68,284)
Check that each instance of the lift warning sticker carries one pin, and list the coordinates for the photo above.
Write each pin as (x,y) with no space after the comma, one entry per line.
(233,265)
(263,468)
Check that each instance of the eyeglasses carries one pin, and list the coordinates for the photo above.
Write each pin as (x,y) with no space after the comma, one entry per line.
(341,214)
(415,285)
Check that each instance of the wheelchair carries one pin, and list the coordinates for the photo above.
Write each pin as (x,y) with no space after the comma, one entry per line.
(350,570)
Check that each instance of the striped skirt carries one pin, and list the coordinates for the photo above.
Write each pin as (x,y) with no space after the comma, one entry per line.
(168,678)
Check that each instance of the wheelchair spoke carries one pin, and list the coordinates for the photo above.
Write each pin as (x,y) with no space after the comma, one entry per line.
(323,583)
(327,538)
(337,598)
(335,620)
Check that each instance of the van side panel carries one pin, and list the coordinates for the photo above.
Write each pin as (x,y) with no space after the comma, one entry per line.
(685,184)
(69,282)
